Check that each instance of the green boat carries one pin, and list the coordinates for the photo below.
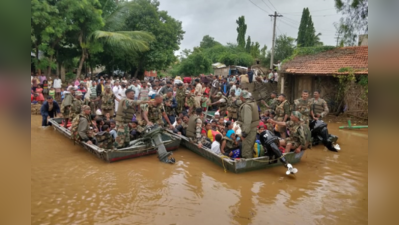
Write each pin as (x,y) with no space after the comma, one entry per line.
(170,140)
(239,165)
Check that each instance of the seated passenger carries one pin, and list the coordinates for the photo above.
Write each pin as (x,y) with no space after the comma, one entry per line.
(113,129)
(230,146)
(210,133)
(134,132)
(215,148)
(214,125)
(179,127)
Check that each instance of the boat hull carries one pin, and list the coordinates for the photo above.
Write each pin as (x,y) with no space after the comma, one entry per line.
(171,142)
(240,165)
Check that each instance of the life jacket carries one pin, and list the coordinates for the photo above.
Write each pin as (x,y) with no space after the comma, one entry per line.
(104,140)
(280,109)
(255,114)
(317,105)
(125,115)
(76,107)
(107,101)
(75,125)
(303,106)
(192,123)
(93,93)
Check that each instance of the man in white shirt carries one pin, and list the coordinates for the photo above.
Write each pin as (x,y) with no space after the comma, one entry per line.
(275,76)
(278,65)
(115,90)
(57,84)
(122,91)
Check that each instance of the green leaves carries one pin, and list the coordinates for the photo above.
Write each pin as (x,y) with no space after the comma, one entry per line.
(241,30)
(125,40)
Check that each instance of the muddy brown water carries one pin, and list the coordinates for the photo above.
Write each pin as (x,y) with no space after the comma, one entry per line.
(71,186)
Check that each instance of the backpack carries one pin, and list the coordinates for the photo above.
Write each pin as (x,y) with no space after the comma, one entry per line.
(104,140)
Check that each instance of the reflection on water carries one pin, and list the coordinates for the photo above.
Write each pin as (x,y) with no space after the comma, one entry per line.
(71,186)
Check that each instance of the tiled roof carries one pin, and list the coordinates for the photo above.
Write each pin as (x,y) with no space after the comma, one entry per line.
(329,62)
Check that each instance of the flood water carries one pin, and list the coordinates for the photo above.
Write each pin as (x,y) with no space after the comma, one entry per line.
(72,186)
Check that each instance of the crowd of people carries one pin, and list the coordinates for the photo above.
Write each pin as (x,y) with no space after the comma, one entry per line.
(245,119)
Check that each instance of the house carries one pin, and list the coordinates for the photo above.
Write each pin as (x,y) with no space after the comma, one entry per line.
(318,72)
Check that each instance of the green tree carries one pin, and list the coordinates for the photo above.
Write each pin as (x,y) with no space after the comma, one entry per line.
(248,45)
(208,42)
(355,20)
(195,64)
(241,30)
(255,50)
(284,48)
(307,36)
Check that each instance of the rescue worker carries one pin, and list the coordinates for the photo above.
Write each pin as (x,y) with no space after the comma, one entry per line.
(232,106)
(181,98)
(124,115)
(190,102)
(108,101)
(170,106)
(303,105)
(273,101)
(66,104)
(81,127)
(282,114)
(194,128)
(91,99)
(76,107)
(198,93)
(298,140)
(222,103)
(248,119)
(319,107)
(153,111)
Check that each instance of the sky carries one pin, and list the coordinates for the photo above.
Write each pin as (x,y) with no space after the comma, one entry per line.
(217,18)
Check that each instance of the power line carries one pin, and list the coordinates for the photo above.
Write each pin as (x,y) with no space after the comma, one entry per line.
(316,15)
(267,5)
(289,24)
(258,7)
(312,11)
(272,5)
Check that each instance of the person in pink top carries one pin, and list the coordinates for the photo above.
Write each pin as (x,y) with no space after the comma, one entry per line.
(42,78)
(77,82)
(39,93)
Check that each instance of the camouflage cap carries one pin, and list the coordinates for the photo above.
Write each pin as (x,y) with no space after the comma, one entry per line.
(246,94)
(219,94)
(107,86)
(78,93)
(71,88)
(297,115)
(86,107)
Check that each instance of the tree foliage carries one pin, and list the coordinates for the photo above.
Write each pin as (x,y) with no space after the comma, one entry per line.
(241,30)
(248,45)
(208,42)
(355,20)
(284,48)
(307,36)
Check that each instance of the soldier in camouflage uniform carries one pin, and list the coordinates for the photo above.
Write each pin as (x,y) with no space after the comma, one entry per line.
(303,105)
(272,102)
(282,114)
(153,112)
(124,115)
(181,98)
(76,106)
(108,101)
(190,102)
(170,106)
(319,107)
(232,106)
(298,139)
(66,105)
(194,129)
(222,103)
(80,129)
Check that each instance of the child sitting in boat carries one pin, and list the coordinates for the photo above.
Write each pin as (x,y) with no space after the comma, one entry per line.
(215,148)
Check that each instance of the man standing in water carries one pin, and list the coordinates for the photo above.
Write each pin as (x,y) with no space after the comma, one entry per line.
(319,107)
(248,119)
(124,115)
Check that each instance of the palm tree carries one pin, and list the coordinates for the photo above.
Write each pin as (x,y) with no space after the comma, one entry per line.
(317,41)
(111,35)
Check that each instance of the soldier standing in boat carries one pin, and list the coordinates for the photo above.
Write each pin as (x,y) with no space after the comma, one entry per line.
(282,114)
(180,97)
(190,103)
(66,104)
(222,103)
(76,106)
(153,111)
(303,105)
(170,106)
(108,101)
(248,119)
(232,106)
(319,108)
(194,128)
(124,115)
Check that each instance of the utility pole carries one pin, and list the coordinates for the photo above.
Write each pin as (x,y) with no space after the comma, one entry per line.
(274,36)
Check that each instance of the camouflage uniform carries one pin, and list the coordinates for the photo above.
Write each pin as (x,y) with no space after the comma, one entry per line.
(191,103)
(181,98)
(75,128)
(303,106)
(170,110)
(124,115)
(76,108)
(297,134)
(272,103)
(194,129)
(282,110)
(108,103)
(154,114)
(66,105)
(319,106)
(232,107)
(104,140)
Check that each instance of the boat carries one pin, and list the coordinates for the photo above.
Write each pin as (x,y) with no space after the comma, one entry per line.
(170,140)
(239,165)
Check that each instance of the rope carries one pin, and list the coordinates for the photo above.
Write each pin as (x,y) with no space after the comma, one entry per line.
(222,157)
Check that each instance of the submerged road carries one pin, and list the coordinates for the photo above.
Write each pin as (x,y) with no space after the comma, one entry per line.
(72,186)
